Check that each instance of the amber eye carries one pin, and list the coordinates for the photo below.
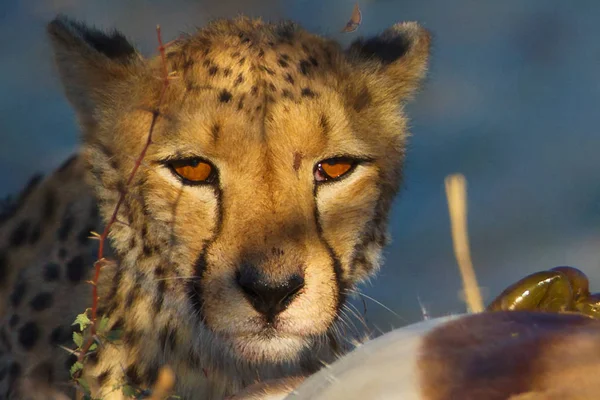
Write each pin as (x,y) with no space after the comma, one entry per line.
(193,170)
(333,169)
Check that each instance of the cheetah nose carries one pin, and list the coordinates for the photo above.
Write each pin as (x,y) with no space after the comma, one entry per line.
(268,298)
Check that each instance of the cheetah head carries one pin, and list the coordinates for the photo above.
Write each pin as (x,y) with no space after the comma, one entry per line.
(264,193)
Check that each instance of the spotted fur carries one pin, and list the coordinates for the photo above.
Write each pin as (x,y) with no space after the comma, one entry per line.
(264,103)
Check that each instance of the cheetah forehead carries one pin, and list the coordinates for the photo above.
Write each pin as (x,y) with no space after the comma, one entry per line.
(248,52)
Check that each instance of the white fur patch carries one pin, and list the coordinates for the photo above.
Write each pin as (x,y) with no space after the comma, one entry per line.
(384,368)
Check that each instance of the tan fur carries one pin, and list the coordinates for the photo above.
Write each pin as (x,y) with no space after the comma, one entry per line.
(264,103)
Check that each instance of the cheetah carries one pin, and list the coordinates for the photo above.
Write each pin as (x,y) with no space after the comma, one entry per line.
(261,202)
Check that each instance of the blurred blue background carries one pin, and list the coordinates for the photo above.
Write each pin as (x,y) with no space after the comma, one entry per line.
(511,102)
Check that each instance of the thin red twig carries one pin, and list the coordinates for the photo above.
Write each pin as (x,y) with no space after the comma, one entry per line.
(99,262)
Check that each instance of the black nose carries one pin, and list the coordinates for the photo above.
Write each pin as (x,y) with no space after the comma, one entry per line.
(268,298)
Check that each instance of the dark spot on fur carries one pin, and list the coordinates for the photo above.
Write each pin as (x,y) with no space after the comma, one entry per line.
(272,86)
(239,79)
(212,71)
(289,78)
(41,301)
(49,206)
(132,296)
(133,375)
(3,373)
(282,63)
(92,359)
(160,294)
(304,67)
(307,92)
(261,53)
(29,335)
(65,226)
(19,234)
(60,335)
(287,94)
(241,103)
(297,160)
(62,253)
(313,61)
(215,131)
(362,100)
(267,70)
(14,320)
(103,377)
(225,96)
(227,72)
(75,269)
(254,90)
(17,294)
(242,61)
(305,48)
(207,63)
(35,234)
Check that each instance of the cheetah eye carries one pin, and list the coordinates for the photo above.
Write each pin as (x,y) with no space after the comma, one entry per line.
(333,168)
(193,170)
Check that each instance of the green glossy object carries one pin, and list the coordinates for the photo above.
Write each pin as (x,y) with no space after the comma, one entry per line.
(561,289)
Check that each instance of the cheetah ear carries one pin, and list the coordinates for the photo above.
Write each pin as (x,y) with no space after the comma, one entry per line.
(90,63)
(400,55)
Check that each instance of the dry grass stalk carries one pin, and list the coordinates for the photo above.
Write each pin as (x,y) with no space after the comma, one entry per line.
(456,193)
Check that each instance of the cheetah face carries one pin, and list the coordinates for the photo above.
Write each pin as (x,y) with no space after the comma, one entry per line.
(263,196)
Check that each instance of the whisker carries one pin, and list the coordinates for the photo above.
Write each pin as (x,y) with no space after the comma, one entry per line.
(378,303)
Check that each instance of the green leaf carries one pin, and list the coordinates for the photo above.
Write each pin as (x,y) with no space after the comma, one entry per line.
(76,367)
(114,335)
(78,339)
(102,325)
(93,347)
(84,386)
(83,321)
(128,391)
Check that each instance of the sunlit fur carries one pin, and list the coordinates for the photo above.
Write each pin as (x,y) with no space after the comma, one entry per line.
(264,104)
